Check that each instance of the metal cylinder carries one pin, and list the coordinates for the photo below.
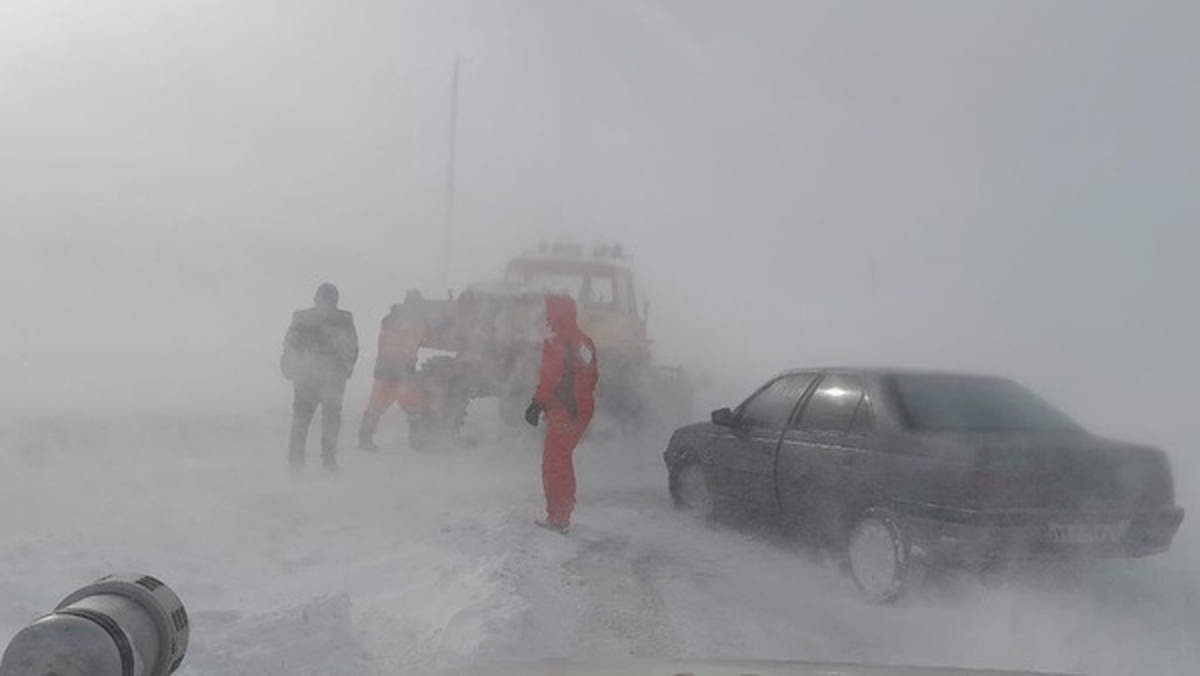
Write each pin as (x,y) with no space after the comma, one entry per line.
(121,625)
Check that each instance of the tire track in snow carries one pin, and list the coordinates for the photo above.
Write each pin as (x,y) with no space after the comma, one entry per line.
(626,609)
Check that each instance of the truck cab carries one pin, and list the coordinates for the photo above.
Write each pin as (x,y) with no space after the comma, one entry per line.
(601,284)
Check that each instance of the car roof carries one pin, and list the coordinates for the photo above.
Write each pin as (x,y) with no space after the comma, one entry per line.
(879,371)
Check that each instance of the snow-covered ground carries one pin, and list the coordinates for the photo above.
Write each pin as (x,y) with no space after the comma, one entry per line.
(406,563)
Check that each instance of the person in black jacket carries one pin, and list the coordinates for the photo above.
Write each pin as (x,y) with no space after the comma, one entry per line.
(319,353)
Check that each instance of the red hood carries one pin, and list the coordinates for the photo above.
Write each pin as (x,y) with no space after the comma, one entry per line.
(560,314)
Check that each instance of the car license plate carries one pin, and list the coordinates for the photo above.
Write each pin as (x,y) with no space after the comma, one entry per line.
(1087,533)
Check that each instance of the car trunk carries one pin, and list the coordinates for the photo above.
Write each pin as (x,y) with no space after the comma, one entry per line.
(1064,470)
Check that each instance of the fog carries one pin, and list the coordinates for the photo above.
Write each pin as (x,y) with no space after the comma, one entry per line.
(997,187)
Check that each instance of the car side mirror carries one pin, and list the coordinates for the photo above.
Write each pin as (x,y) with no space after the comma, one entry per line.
(724,417)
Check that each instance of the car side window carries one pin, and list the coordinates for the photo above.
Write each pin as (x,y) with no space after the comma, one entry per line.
(833,406)
(773,405)
(864,420)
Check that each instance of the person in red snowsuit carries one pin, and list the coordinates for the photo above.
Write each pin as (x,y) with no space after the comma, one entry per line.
(565,393)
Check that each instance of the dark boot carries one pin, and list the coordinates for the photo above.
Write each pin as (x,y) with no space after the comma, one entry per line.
(560,528)
(366,432)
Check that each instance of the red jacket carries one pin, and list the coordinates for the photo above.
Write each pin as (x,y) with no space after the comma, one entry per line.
(568,374)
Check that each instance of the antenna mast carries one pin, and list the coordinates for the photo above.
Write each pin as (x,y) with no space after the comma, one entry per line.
(448,214)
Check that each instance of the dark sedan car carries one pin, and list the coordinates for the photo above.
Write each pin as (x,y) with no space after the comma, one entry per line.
(891,467)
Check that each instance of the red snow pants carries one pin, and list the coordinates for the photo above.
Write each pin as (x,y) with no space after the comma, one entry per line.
(558,465)
(407,394)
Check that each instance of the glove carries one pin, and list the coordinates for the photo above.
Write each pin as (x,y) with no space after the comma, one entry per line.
(534,412)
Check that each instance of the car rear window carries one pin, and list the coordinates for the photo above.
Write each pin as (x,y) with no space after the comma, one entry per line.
(944,401)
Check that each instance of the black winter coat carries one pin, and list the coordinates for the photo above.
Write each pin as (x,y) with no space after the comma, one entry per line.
(320,344)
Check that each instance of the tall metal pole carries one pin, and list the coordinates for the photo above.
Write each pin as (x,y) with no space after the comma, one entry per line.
(448,215)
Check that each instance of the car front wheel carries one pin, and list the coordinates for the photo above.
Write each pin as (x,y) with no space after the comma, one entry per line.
(878,555)
(690,490)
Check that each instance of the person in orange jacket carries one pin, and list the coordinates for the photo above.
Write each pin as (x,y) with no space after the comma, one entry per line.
(401,334)
(565,393)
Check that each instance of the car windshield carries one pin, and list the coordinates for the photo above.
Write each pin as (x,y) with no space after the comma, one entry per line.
(956,402)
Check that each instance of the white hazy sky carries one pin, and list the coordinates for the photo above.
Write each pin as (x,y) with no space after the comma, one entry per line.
(1003,186)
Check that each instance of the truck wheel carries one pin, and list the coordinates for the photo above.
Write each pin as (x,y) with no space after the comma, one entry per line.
(438,426)
(448,395)
(878,554)
(690,491)
(420,433)
(455,414)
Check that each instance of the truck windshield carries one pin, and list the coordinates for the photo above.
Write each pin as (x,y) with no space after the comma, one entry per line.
(955,402)
(589,290)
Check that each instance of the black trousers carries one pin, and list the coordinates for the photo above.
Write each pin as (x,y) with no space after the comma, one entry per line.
(310,393)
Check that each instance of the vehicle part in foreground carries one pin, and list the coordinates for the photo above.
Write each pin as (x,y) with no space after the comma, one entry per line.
(120,625)
(898,471)
(724,668)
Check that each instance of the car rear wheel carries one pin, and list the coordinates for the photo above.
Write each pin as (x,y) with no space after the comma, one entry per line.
(690,490)
(878,557)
